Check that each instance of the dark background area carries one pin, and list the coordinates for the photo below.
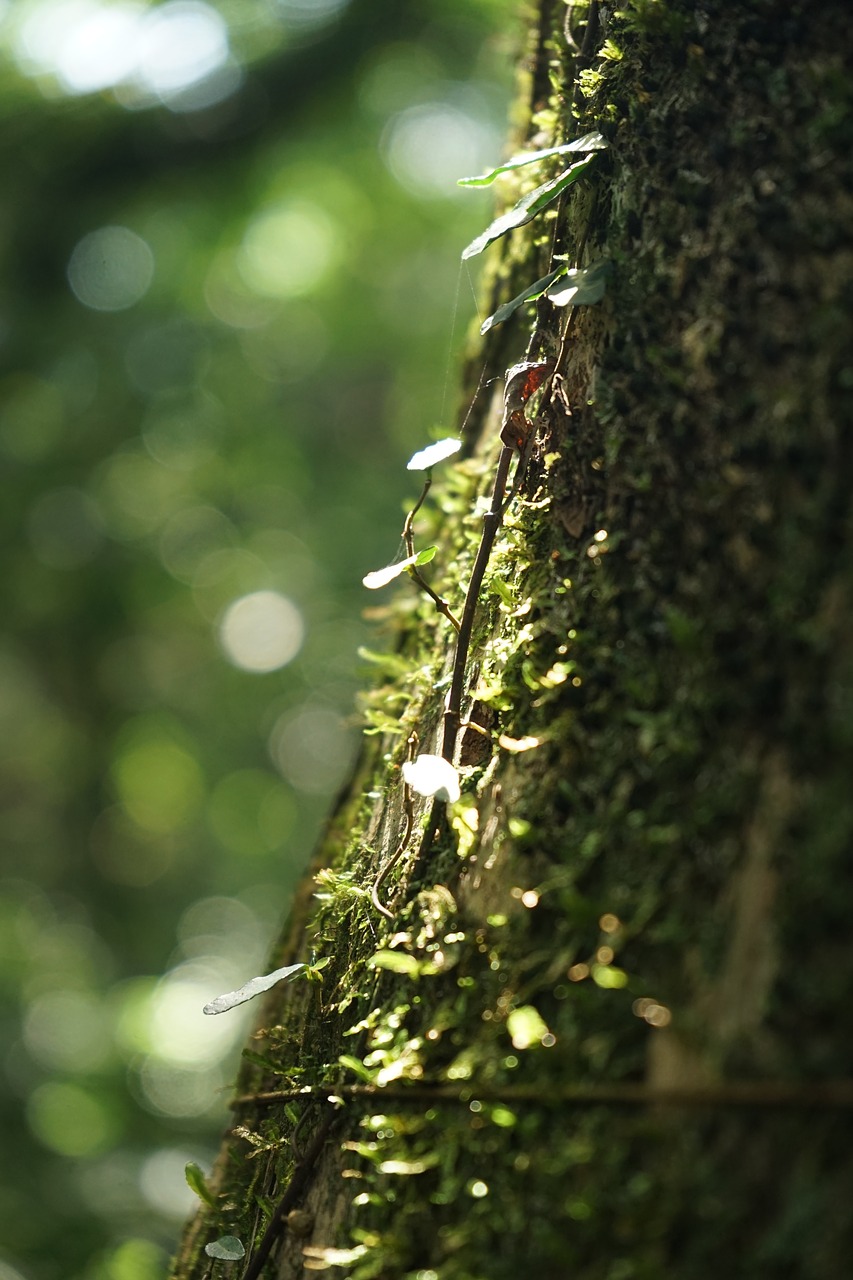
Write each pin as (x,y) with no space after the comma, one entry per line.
(230,240)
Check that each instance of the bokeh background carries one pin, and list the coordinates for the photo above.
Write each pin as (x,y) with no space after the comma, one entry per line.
(230,244)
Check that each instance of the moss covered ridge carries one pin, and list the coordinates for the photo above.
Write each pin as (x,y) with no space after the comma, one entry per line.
(641,893)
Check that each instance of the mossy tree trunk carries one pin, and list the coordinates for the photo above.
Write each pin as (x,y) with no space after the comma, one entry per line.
(613,1040)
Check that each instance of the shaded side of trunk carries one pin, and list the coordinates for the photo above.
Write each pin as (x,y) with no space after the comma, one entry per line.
(605,1034)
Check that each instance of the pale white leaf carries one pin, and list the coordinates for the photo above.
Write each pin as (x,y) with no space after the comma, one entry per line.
(432,776)
(253,987)
(433,453)
(381,577)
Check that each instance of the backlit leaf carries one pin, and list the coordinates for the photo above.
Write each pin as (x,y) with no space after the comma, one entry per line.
(580,286)
(381,577)
(433,453)
(252,988)
(529,294)
(198,1183)
(589,142)
(528,207)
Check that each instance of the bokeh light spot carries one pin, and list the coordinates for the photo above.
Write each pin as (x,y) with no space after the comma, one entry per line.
(261,632)
(159,784)
(182,43)
(64,527)
(251,813)
(306,14)
(429,146)
(288,249)
(134,1259)
(31,419)
(69,1119)
(110,269)
(163,1183)
(67,1030)
(312,748)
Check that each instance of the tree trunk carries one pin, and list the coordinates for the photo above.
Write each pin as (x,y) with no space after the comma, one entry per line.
(604,1035)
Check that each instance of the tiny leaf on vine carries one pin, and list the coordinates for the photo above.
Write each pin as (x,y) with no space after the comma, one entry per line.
(433,453)
(381,577)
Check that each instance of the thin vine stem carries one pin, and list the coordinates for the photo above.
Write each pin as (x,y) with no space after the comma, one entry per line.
(825,1094)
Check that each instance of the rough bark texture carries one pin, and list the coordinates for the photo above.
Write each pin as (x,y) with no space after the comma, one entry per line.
(621,1047)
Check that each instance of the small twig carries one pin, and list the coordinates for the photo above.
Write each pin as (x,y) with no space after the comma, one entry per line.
(295,1187)
(414,573)
(735,1093)
(408,808)
(491,524)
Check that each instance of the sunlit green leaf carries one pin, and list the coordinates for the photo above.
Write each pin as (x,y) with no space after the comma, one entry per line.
(528,207)
(197,1181)
(396,962)
(424,557)
(589,142)
(356,1066)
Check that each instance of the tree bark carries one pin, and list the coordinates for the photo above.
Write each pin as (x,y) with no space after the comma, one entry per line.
(605,1035)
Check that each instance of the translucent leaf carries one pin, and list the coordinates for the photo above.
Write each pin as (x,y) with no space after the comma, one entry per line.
(356,1066)
(580,286)
(433,453)
(532,291)
(589,142)
(198,1183)
(228,1248)
(528,207)
(330,1257)
(424,557)
(432,776)
(381,577)
(253,987)
(396,962)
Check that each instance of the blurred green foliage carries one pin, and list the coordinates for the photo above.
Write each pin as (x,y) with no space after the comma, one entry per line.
(230,243)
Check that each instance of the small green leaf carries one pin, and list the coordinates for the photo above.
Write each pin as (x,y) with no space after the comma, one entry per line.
(197,1182)
(529,294)
(424,557)
(528,207)
(396,962)
(589,142)
(580,286)
(228,1248)
(356,1066)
